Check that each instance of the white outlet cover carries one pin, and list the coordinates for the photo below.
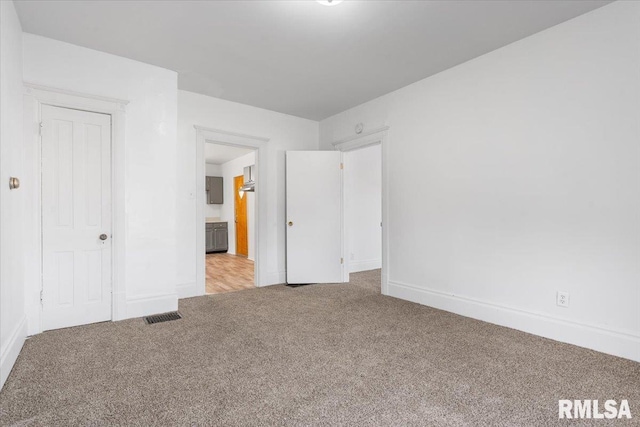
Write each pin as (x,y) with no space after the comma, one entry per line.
(562,299)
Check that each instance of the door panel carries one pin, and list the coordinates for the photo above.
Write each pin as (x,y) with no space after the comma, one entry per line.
(221,242)
(210,245)
(314,216)
(242,234)
(76,210)
(216,190)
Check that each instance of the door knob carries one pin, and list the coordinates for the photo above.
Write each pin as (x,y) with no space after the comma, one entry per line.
(14,183)
(290,223)
(103,237)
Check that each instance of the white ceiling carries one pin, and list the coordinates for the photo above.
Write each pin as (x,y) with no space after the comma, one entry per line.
(217,154)
(297,57)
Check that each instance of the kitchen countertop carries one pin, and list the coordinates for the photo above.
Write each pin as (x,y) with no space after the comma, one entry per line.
(213,220)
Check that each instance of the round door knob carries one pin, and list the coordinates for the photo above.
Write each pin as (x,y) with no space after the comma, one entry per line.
(103,237)
(290,223)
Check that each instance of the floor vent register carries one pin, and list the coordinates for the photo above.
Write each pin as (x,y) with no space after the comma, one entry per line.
(165,317)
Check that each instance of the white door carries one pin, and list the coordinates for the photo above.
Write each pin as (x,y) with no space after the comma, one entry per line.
(76,217)
(314,217)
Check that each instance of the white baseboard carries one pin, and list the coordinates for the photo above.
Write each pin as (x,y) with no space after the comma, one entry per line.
(364,265)
(617,343)
(188,290)
(275,278)
(151,304)
(11,349)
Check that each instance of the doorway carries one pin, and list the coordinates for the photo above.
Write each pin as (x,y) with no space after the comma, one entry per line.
(260,147)
(229,219)
(373,138)
(363,208)
(76,217)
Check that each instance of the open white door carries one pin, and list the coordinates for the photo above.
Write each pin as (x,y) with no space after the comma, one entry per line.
(314,217)
(76,217)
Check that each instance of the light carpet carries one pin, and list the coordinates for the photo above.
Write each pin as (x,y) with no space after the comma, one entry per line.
(338,354)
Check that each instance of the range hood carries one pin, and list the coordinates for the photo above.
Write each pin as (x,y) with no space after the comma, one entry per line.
(249,179)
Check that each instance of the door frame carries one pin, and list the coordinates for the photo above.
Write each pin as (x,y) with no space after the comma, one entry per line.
(34,97)
(259,145)
(366,139)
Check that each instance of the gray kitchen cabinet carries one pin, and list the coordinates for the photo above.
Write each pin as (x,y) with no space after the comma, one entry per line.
(213,186)
(209,242)
(221,239)
(217,237)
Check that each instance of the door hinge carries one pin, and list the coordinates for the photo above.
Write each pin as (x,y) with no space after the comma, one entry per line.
(341,165)
(341,260)
(41,295)
(40,128)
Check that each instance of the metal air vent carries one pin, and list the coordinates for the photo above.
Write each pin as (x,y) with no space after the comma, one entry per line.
(165,317)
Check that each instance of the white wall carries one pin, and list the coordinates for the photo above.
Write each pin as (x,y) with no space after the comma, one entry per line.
(13,326)
(230,170)
(517,174)
(150,170)
(212,211)
(363,208)
(285,133)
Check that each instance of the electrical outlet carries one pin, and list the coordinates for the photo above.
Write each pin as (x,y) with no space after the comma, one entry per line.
(562,299)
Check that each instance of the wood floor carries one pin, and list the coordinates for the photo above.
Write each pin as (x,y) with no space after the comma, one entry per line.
(228,273)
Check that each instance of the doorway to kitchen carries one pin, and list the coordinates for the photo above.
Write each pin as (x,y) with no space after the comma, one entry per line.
(229,207)
(257,249)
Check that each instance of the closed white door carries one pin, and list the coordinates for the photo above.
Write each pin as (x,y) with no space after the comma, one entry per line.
(314,217)
(76,217)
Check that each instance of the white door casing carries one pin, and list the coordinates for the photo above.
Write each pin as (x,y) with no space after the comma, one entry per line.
(314,217)
(259,144)
(76,211)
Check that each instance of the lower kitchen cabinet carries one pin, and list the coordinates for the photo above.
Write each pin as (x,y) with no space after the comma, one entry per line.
(217,237)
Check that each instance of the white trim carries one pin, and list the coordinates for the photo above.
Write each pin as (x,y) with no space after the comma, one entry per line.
(259,144)
(362,140)
(364,265)
(145,305)
(344,247)
(231,138)
(276,277)
(366,139)
(34,97)
(52,91)
(11,350)
(615,342)
(187,290)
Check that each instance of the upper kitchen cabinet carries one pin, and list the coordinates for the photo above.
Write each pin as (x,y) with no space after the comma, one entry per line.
(214,190)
